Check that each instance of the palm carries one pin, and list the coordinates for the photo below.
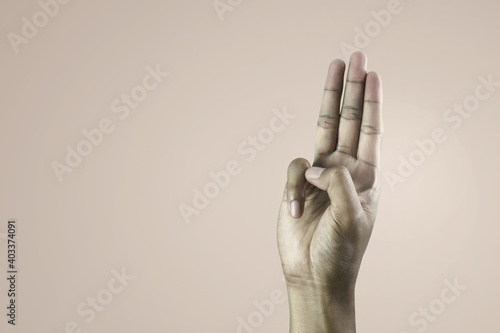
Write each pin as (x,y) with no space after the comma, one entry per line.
(307,245)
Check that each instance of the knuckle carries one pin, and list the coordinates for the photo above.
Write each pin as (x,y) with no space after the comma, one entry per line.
(298,162)
(328,122)
(356,79)
(371,130)
(351,113)
(339,173)
(344,149)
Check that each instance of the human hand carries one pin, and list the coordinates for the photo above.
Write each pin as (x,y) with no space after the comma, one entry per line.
(328,210)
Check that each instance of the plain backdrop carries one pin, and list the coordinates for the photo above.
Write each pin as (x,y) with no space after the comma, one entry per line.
(229,74)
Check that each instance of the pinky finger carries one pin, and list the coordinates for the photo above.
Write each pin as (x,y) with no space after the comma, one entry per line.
(295,186)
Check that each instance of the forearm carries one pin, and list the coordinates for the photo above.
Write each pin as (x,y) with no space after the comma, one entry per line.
(315,311)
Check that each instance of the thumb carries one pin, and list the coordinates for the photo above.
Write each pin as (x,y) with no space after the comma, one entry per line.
(337,181)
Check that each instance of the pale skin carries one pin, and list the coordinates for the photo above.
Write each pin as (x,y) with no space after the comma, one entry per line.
(328,209)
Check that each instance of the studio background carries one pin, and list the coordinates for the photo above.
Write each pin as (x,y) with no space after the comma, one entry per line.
(111,228)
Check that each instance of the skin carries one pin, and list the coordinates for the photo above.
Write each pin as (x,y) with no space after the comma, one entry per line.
(328,209)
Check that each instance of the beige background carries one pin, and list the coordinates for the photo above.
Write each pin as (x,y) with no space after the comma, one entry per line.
(120,207)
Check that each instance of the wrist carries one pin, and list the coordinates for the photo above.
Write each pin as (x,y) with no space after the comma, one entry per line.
(316,309)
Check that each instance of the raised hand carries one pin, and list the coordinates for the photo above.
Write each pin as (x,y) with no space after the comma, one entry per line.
(328,210)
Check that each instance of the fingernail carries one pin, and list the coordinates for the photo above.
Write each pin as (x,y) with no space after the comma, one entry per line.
(295,209)
(314,172)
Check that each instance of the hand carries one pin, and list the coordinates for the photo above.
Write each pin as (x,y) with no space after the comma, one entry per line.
(328,210)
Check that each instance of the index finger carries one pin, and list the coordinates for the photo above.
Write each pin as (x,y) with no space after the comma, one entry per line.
(328,120)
